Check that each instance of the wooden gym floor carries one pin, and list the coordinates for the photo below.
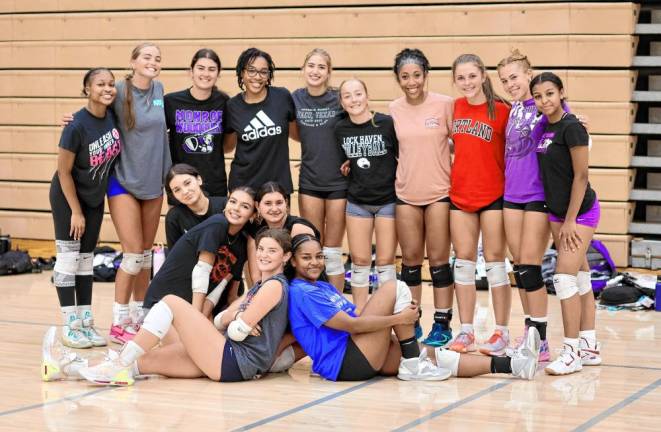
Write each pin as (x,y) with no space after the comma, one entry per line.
(625,392)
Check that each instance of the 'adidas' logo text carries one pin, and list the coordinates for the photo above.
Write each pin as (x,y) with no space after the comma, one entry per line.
(260,126)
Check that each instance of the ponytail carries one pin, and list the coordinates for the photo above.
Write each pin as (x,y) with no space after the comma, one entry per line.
(487,87)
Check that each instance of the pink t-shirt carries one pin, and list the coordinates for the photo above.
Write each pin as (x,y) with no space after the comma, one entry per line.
(423,172)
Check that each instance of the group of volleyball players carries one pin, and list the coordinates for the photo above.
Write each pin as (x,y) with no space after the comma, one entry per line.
(519,172)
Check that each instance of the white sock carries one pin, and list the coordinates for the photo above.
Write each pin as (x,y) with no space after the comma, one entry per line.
(120,313)
(69,313)
(468,328)
(130,353)
(135,310)
(589,335)
(443,310)
(134,368)
(573,343)
(540,319)
(503,329)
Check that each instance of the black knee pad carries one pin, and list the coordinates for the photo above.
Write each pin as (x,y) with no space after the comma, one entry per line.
(412,275)
(517,277)
(531,277)
(441,276)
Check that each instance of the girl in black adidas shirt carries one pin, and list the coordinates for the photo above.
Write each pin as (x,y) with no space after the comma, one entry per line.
(258,124)
(370,146)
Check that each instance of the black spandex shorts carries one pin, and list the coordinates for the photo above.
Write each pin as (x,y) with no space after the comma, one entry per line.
(327,195)
(355,366)
(442,200)
(496,205)
(536,206)
(229,369)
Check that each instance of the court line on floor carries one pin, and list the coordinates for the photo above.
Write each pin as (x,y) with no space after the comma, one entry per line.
(618,406)
(56,401)
(310,404)
(631,367)
(454,405)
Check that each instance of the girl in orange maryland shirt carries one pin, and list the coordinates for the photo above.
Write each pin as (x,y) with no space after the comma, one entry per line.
(476,193)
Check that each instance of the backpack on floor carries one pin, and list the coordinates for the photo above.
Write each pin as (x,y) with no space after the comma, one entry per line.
(15,262)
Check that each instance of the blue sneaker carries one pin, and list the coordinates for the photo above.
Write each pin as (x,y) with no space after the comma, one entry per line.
(438,336)
(418,332)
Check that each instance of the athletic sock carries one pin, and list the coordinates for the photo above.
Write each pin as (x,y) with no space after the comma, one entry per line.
(540,324)
(135,311)
(468,328)
(409,347)
(501,365)
(134,369)
(443,317)
(589,335)
(573,343)
(130,353)
(120,312)
(503,329)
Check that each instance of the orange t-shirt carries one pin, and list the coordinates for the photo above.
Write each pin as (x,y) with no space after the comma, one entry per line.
(478,172)
(423,171)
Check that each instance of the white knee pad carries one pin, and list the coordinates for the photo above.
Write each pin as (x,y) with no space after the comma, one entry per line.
(448,359)
(360,276)
(584,282)
(464,272)
(284,361)
(131,263)
(146,259)
(386,273)
(238,329)
(67,261)
(497,274)
(403,297)
(86,264)
(200,277)
(565,285)
(333,258)
(158,320)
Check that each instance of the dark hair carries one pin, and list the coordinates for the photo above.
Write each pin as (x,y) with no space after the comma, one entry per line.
(279,235)
(129,114)
(247,189)
(247,57)
(270,187)
(296,242)
(87,79)
(175,170)
(538,130)
(487,88)
(205,53)
(410,55)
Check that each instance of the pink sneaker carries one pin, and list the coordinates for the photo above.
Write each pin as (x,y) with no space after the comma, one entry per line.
(463,343)
(544,352)
(122,333)
(496,344)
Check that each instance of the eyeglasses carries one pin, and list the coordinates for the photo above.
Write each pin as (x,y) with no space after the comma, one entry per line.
(252,72)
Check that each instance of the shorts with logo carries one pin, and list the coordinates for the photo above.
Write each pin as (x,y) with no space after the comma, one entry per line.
(535,206)
(370,211)
(590,218)
(229,368)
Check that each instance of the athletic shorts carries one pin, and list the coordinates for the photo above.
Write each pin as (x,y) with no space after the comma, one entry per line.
(590,218)
(442,200)
(535,206)
(115,188)
(229,369)
(355,366)
(326,195)
(370,211)
(496,205)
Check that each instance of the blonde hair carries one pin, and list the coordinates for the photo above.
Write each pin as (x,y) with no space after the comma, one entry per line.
(129,114)
(323,54)
(487,87)
(515,57)
(339,94)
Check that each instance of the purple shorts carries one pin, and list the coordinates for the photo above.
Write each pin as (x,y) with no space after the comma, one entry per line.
(589,218)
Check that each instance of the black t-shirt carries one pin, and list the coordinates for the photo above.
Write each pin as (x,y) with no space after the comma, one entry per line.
(372,149)
(553,153)
(262,139)
(180,218)
(195,131)
(96,142)
(174,277)
(290,221)
(320,157)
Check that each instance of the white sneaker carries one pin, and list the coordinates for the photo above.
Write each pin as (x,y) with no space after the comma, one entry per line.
(57,362)
(421,369)
(590,354)
(109,372)
(73,337)
(524,359)
(90,333)
(568,362)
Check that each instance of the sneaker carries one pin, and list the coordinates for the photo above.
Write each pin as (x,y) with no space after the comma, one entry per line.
(524,362)
(122,333)
(568,362)
(438,336)
(589,354)
(544,352)
(496,344)
(109,372)
(92,334)
(421,368)
(463,343)
(418,332)
(57,362)
(73,337)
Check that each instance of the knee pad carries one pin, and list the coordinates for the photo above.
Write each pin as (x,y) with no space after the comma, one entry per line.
(448,359)
(146,259)
(386,273)
(131,263)
(517,277)
(531,277)
(412,275)
(86,264)
(584,282)
(403,297)
(333,258)
(464,272)
(497,274)
(158,320)
(565,285)
(360,276)
(67,261)
(441,276)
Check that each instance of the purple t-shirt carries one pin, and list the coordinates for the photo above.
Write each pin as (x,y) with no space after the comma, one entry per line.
(523,182)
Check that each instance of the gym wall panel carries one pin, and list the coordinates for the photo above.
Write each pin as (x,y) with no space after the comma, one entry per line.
(612,184)
(29,139)
(615,217)
(612,151)
(28,167)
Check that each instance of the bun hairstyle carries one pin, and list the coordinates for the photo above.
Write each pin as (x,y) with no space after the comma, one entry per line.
(539,128)
(487,87)
(515,57)
(410,56)
(129,112)
(247,57)
(87,79)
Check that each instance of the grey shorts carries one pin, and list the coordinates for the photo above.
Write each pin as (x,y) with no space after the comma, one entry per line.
(371,211)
